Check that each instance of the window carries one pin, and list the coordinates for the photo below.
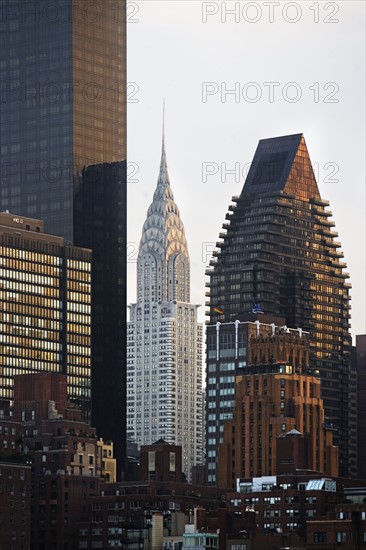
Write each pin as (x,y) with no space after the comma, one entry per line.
(271,513)
(292,512)
(272,500)
(341,536)
(320,537)
(292,526)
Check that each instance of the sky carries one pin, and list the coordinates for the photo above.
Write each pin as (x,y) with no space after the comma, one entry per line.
(233,73)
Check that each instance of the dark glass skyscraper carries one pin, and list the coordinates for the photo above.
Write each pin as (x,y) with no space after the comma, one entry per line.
(62,70)
(280,251)
(63,155)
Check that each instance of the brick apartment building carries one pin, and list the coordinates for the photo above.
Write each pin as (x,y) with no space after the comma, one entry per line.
(277,404)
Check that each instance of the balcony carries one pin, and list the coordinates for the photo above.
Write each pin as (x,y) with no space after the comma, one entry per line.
(333,244)
(327,223)
(319,201)
(329,232)
(335,254)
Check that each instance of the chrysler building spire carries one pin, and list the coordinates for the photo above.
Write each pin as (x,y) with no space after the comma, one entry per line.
(164,342)
(163,245)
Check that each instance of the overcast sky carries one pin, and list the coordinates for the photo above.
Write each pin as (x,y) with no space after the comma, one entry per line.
(291,67)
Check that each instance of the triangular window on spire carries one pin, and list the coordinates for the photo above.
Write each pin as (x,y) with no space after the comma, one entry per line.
(301,180)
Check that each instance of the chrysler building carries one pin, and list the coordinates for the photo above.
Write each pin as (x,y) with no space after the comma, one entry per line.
(164,339)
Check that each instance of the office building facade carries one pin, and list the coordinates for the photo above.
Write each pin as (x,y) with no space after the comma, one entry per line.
(279,253)
(164,340)
(63,158)
(45,311)
(63,89)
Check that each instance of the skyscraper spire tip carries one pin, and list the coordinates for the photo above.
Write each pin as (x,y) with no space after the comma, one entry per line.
(164,124)
(163,173)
